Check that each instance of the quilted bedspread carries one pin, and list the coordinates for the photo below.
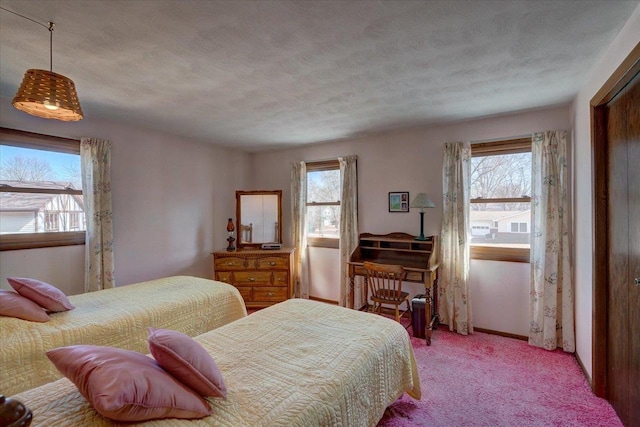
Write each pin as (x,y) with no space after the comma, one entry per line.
(117,317)
(297,363)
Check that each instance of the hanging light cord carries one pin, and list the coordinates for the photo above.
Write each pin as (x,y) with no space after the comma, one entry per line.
(50,28)
(51,25)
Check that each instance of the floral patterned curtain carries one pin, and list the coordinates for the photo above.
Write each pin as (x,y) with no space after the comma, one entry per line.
(453,290)
(299,207)
(551,305)
(348,223)
(95,157)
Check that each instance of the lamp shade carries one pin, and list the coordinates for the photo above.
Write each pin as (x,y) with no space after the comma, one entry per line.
(48,95)
(422,201)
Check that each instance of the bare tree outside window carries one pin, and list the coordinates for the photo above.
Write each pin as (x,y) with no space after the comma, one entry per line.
(323,203)
(32,168)
(71,172)
(41,191)
(500,211)
(501,177)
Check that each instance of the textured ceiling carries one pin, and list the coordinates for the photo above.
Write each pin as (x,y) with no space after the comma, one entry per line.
(265,74)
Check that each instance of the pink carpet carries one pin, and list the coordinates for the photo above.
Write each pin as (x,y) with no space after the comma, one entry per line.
(489,380)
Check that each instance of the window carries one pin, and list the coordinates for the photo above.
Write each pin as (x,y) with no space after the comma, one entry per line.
(500,213)
(41,201)
(519,227)
(74,220)
(323,204)
(51,221)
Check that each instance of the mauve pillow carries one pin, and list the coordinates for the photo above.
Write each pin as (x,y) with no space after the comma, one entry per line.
(187,360)
(43,294)
(15,305)
(127,386)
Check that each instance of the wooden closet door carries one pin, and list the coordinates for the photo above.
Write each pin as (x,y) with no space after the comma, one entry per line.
(633,147)
(623,321)
(618,293)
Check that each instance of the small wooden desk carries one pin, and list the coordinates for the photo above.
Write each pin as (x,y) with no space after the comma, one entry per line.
(418,257)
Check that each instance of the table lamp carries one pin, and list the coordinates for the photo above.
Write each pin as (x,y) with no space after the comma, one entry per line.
(422,201)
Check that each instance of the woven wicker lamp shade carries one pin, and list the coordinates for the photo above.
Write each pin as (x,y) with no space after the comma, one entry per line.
(48,95)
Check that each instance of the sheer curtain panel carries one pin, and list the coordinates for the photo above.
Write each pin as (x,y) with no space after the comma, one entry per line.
(455,298)
(551,305)
(95,156)
(348,223)
(298,216)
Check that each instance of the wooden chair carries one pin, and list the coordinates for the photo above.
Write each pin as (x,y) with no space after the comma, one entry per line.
(385,286)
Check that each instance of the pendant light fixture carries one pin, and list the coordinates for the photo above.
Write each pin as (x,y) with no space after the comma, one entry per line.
(47,94)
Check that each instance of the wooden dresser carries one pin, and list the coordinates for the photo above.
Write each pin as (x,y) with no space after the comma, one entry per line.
(263,277)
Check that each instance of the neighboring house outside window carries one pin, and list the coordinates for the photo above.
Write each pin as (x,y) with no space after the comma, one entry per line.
(41,202)
(519,227)
(74,220)
(500,214)
(51,221)
(323,203)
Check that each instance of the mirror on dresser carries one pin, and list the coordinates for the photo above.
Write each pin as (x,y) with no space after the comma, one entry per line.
(258,218)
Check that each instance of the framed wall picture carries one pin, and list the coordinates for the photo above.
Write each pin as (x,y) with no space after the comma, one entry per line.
(398,201)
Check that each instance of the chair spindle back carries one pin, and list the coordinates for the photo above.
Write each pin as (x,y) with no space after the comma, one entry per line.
(385,279)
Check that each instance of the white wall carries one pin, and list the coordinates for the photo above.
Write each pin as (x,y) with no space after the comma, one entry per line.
(62,267)
(500,295)
(325,275)
(171,201)
(411,160)
(626,40)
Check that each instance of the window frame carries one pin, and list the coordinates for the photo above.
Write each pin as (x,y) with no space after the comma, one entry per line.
(74,220)
(51,217)
(37,141)
(322,242)
(494,148)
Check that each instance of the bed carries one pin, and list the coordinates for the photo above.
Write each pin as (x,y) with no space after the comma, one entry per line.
(117,317)
(297,363)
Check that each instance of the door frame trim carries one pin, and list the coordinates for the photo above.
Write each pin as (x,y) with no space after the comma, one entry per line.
(599,163)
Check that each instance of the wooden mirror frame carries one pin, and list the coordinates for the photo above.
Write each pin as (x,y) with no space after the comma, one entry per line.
(239,195)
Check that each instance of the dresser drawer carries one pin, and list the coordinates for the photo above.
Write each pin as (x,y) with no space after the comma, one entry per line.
(229,263)
(254,277)
(263,278)
(269,294)
(245,293)
(280,278)
(273,263)
(224,276)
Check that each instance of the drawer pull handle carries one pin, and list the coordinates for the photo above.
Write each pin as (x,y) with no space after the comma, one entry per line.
(280,279)
(252,279)
(230,263)
(269,294)
(272,263)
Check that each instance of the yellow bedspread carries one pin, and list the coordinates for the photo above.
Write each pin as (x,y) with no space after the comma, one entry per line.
(117,317)
(298,363)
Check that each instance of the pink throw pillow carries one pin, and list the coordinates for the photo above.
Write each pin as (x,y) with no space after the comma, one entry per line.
(15,305)
(43,294)
(127,386)
(188,361)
